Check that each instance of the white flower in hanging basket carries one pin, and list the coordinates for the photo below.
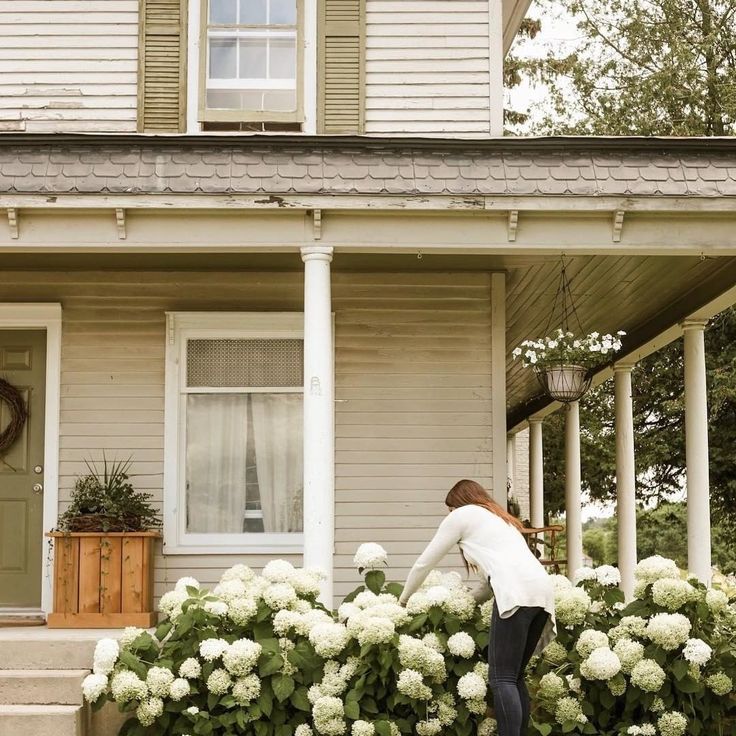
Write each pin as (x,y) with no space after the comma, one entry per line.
(564,363)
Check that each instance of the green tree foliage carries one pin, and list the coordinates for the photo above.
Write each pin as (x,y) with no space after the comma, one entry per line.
(641,67)
(645,67)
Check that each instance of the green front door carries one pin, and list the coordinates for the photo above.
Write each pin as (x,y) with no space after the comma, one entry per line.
(23,364)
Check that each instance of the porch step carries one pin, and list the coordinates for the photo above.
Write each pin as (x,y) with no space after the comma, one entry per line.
(41,720)
(39,648)
(41,687)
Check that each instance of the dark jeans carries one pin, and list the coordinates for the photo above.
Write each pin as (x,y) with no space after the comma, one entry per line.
(513,641)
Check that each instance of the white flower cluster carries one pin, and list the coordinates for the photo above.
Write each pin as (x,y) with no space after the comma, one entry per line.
(411,683)
(370,556)
(445,591)
(646,729)
(629,652)
(328,714)
(472,686)
(647,675)
(697,652)
(329,638)
(564,347)
(571,605)
(552,686)
(720,683)
(241,657)
(668,630)
(602,664)
(672,724)
(589,640)
(106,655)
(415,654)
(461,644)
(672,593)
(568,710)
(716,600)
(655,568)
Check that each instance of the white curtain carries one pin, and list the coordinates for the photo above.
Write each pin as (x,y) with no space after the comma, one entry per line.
(217,433)
(277,431)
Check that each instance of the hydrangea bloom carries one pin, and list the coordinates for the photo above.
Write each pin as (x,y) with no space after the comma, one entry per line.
(657,705)
(105,657)
(697,652)
(159,681)
(477,706)
(629,652)
(720,683)
(363,728)
(247,689)
(668,630)
(461,604)
(93,686)
(306,582)
(179,689)
(571,605)
(488,727)
(433,642)
(411,683)
(654,568)
(554,652)
(279,596)
(445,709)
(647,729)
(602,664)
(716,600)
(589,640)
(672,724)
(303,730)
(219,682)
(242,610)
(149,710)
(672,593)
(190,668)
(211,649)
(230,590)
(329,639)
(582,574)
(461,645)
(437,595)
(126,686)
(416,655)
(241,656)
(486,611)
(472,686)
(238,572)
(376,630)
(370,556)
(647,675)
(560,582)
(430,727)
(130,634)
(573,683)
(171,603)
(608,576)
(187,582)
(278,571)
(569,709)
(216,608)
(552,686)
(328,713)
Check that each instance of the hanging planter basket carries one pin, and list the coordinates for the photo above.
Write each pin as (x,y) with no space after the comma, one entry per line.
(565,382)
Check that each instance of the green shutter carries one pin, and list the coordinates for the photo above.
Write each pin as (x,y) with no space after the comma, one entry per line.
(342,66)
(162,66)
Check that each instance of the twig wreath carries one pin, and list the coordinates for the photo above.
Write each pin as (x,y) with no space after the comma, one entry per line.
(10,395)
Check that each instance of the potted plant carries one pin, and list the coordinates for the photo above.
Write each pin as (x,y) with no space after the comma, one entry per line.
(103,552)
(564,363)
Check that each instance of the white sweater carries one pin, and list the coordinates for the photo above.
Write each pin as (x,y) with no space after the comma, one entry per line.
(500,554)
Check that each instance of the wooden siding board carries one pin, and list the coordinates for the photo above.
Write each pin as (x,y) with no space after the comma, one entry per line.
(69,66)
(423,59)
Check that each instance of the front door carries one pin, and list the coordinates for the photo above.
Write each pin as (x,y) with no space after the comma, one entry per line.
(22,364)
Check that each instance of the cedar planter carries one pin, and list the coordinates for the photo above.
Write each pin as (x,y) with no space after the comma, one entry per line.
(103,579)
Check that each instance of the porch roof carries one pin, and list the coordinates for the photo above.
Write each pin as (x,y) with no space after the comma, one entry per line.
(349,165)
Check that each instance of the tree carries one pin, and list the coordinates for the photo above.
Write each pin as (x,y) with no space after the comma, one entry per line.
(641,67)
(646,67)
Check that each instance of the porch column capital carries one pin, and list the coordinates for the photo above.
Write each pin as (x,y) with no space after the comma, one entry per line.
(535,420)
(317,253)
(625,366)
(693,324)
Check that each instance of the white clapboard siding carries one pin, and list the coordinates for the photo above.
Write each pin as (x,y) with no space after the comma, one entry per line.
(427,67)
(413,390)
(68,65)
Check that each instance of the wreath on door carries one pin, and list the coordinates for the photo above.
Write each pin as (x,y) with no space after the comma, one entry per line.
(10,395)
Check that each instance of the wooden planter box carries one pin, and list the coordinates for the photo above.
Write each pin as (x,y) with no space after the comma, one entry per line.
(103,580)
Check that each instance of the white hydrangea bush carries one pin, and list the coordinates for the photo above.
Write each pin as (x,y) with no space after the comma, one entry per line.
(260,656)
(663,665)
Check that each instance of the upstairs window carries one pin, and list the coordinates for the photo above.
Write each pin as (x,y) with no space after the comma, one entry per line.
(251,61)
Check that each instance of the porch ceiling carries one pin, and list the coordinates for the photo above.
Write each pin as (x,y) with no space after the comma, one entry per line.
(642,295)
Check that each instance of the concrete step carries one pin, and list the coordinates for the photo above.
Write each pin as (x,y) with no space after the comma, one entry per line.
(41,687)
(40,648)
(41,720)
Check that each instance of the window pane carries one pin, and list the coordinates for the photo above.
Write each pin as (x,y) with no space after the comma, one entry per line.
(222,58)
(223,11)
(253,12)
(223,99)
(282,12)
(244,469)
(245,363)
(282,57)
(280,100)
(253,58)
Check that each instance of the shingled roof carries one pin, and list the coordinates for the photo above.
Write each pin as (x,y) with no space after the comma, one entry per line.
(280,165)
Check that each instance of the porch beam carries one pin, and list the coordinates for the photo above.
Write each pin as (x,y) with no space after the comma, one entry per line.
(536,473)
(625,477)
(696,452)
(573,493)
(319,417)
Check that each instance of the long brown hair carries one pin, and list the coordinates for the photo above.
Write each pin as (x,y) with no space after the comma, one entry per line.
(468,492)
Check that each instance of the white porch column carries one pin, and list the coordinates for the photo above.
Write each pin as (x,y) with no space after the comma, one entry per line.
(511,462)
(536,473)
(573,515)
(319,417)
(625,477)
(696,452)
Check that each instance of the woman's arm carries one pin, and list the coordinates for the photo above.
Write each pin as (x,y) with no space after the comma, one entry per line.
(445,538)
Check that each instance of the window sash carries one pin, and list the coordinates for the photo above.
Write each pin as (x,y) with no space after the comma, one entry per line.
(207,31)
(181,327)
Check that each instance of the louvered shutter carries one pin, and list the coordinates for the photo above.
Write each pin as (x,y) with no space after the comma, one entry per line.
(162,66)
(342,66)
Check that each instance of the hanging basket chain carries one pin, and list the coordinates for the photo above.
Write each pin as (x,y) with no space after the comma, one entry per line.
(12,397)
(563,295)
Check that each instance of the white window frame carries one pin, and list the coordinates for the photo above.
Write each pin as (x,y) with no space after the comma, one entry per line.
(180,327)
